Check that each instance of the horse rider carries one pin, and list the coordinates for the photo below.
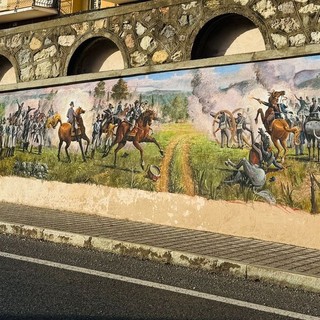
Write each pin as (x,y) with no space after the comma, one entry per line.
(119,109)
(71,115)
(274,107)
(108,116)
(133,114)
(314,109)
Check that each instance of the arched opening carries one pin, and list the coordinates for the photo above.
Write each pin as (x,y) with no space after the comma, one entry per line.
(7,72)
(95,55)
(225,35)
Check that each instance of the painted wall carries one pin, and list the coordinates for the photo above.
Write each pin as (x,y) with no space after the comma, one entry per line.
(198,167)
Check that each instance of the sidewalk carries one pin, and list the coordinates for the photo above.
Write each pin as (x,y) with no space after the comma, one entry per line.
(248,258)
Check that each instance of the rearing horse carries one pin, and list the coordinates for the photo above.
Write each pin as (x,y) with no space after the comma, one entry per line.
(65,134)
(139,134)
(278,129)
(273,107)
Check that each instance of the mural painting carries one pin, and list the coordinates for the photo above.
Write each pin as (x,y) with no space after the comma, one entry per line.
(248,132)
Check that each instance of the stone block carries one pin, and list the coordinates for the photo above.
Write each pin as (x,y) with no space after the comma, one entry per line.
(45,53)
(129,41)
(138,59)
(147,43)
(160,57)
(242,2)
(14,42)
(27,73)
(298,40)
(98,25)
(265,8)
(35,44)
(279,41)
(188,6)
(43,70)
(80,28)
(310,8)
(287,24)
(24,56)
(315,37)
(287,7)
(66,41)
(140,29)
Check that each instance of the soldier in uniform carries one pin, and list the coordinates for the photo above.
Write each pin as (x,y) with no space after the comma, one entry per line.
(224,127)
(241,125)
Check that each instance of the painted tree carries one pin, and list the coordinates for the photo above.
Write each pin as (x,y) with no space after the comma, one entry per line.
(179,109)
(99,93)
(120,90)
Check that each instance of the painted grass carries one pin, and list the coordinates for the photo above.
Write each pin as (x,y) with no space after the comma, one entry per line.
(205,158)
(176,184)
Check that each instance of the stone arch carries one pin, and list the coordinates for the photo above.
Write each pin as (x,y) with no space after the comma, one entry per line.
(8,73)
(229,33)
(95,54)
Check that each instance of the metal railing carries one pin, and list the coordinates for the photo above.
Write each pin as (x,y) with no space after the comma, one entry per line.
(18,4)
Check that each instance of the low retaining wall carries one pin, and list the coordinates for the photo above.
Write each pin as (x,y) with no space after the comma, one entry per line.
(255,219)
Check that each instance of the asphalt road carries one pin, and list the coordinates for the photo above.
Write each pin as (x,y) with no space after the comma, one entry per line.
(40,280)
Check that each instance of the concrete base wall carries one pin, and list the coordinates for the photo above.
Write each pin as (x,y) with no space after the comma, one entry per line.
(256,220)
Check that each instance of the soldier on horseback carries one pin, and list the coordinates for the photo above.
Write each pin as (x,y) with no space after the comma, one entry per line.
(71,115)
(273,112)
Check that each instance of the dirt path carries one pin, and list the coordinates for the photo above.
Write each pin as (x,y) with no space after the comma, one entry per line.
(163,182)
(186,172)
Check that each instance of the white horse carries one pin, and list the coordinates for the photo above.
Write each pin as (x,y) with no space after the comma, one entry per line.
(312,132)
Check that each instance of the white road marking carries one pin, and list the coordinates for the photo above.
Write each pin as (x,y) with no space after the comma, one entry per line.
(160,286)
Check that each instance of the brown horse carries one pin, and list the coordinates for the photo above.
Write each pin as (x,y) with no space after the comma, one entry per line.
(65,134)
(280,131)
(139,134)
(273,107)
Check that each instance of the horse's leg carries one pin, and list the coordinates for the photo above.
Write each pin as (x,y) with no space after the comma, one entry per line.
(277,146)
(151,139)
(82,152)
(121,144)
(59,149)
(285,149)
(137,145)
(88,142)
(106,152)
(66,149)
(309,150)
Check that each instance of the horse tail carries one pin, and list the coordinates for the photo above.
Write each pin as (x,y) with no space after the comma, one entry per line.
(296,131)
(314,133)
(293,129)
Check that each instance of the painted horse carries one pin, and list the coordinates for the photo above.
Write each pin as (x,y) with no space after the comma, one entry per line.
(140,133)
(66,135)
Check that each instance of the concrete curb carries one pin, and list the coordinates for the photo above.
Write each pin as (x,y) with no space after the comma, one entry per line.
(179,258)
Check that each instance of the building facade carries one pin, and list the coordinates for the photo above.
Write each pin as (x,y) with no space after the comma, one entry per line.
(148,33)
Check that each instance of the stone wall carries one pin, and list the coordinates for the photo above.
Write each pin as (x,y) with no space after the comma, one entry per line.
(152,33)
